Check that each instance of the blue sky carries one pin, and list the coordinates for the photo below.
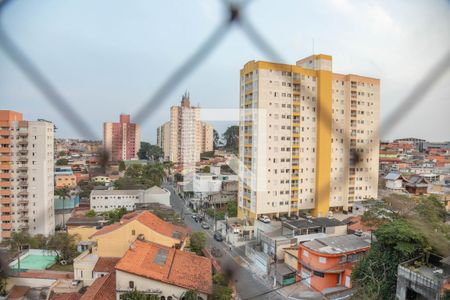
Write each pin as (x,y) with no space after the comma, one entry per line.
(109,56)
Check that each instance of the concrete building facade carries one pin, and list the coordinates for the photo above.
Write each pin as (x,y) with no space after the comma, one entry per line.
(185,137)
(26,175)
(121,140)
(308,138)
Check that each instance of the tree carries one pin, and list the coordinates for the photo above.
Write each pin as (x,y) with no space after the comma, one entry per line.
(189,295)
(39,241)
(63,193)
(141,177)
(115,215)
(216,139)
(62,162)
(375,276)
(122,166)
(206,169)
(90,214)
(148,151)
(65,246)
(231,138)
(198,242)
(232,209)
(137,295)
(221,292)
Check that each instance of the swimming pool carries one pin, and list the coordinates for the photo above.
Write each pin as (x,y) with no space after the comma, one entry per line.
(34,259)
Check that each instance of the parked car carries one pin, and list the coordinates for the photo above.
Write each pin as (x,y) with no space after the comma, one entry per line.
(283,219)
(205,225)
(264,219)
(218,236)
(194,216)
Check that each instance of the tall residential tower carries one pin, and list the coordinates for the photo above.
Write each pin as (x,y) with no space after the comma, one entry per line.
(308,138)
(26,175)
(185,137)
(121,140)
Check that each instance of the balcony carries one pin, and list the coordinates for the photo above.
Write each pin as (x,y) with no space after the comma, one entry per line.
(5,167)
(24,226)
(5,175)
(5,183)
(5,218)
(23,201)
(23,209)
(23,184)
(6,234)
(23,151)
(22,168)
(23,194)
(5,158)
(23,133)
(5,209)
(5,132)
(5,141)
(5,200)
(23,217)
(23,176)
(5,150)
(23,143)
(6,192)
(7,226)
(23,159)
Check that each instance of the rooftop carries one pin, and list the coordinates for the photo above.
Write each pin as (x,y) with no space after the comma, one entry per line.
(106,264)
(115,192)
(103,288)
(156,190)
(151,221)
(338,244)
(314,222)
(168,265)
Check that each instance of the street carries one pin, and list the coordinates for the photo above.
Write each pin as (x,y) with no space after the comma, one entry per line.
(247,283)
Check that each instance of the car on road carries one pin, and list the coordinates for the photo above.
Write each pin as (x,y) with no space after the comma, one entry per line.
(218,236)
(264,219)
(205,225)
(194,216)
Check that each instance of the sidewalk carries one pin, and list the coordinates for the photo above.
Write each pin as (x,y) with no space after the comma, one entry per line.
(300,291)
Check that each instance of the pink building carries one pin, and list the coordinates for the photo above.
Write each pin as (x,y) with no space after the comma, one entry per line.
(121,140)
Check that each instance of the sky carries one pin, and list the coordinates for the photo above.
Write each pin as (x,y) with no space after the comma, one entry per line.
(108,57)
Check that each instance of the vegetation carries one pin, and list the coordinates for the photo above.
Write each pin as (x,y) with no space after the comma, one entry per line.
(91,213)
(65,246)
(218,212)
(221,291)
(198,242)
(232,209)
(148,151)
(62,162)
(206,169)
(115,215)
(85,188)
(190,295)
(141,177)
(231,138)
(178,177)
(408,227)
(137,295)
(122,166)
(216,139)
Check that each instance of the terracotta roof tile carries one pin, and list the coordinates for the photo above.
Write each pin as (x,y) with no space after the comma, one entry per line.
(151,221)
(176,267)
(18,291)
(103,288)
(66,296)
(106,264)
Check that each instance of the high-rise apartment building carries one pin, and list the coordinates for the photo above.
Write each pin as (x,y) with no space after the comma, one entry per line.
(185,137)
(26,175)
(308,138)
(121,140)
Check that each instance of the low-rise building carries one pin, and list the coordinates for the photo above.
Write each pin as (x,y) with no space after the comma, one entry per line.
(326,264)
(68,181)
(303,227)
(417,185)
(167,272)
(106,200)
(395,181)
(101,179)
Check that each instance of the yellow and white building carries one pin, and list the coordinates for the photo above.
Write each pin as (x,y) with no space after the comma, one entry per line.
(300,127)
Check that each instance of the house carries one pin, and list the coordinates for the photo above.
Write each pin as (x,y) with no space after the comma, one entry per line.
(66,180)
(395,181)
(167,272)
(425,277)
(326,264)
(417,185)
(156,194)
(114,240)
(103,288)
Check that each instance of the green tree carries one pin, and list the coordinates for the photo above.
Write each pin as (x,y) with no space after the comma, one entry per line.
(39,241)
(115,215)
(206,169)
(232,209)
(63,194)
(198,242)
(91,213)
(148,151)
(231,138)
(137,295)
(65,246)
(216,139)
(375,276)
(62,162)
(221,292)
(219,279)
(189,295)
(122,166)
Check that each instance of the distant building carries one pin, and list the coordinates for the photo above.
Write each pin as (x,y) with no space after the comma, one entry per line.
(417,185)
(418,143)
(326,264)
(121,140)
(395,181)
(26,175)
(185,137)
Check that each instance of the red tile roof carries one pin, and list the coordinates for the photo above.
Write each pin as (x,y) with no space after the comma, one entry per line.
(179,268)
(106,264)
(103,288)
(151,221)
(66,296)
(18,291)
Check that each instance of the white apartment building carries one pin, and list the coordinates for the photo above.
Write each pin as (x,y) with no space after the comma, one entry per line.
(185,137)
(106,200)
(26,175)
(300,126)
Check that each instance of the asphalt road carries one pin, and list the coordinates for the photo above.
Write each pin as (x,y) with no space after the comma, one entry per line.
(247,283)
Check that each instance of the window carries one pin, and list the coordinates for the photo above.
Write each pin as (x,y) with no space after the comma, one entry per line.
(322,260)
(131,284)
(133,232)
(305,253)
